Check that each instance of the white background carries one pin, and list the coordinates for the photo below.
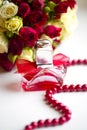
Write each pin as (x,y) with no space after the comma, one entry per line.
(20,108)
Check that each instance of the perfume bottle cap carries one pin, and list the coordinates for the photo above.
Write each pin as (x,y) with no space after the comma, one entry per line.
(44,44)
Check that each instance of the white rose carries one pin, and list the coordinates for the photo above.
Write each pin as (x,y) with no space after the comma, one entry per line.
(3,43)
(8,10)
(69,20)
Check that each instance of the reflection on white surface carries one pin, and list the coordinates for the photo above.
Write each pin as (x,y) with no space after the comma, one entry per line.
(19,108)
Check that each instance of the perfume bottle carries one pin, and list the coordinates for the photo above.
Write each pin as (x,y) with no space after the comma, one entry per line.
(47,75)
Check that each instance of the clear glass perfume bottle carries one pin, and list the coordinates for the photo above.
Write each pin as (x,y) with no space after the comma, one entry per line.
(47,75)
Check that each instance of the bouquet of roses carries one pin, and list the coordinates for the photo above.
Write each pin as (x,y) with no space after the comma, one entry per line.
(23,22)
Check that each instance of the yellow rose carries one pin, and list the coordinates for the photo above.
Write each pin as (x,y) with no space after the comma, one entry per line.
(3,43)
(8,10)
(12,57)
(14,24)
(27,54)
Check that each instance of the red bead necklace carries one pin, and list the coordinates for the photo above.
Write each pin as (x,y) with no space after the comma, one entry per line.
(58,105)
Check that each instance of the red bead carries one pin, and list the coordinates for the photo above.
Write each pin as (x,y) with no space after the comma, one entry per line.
(55,103)
(51,100)
(54,90)
(28,127)
(79,61)
(68,117)
(47,122)
(68,63)
(84,87)
(59,89)
(49,92)
(65,88)
(40,123)
(64,109)
(59,106)
(73,62)
(78,87)
(85,61)
(68,111)
(34,125)
(62,120)
(55,121)
(71,88)
(48,96)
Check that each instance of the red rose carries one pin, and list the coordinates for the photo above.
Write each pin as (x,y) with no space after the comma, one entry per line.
(5,62)
(72,3)
(23,9)
(29,35)
(16,45)
(37,4)
(52,31)
(37,17)
(61,7)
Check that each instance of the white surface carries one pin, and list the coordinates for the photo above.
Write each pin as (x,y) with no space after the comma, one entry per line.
(20,108)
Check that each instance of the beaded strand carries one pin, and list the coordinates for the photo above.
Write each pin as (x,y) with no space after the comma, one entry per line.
(64,110)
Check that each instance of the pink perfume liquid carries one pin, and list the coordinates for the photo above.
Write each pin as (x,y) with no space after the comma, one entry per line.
(45,79)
